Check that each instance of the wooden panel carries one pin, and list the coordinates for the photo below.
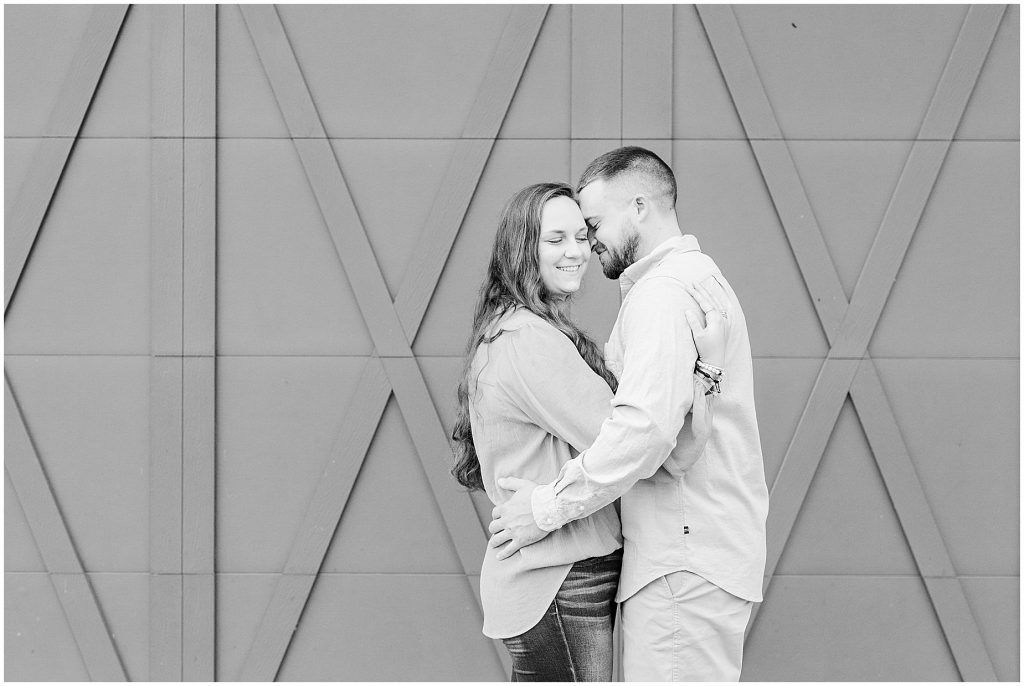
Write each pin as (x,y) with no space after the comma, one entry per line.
(276,627)
(247,107)
(165,518)
(513,165)
(165,627)
(430,440)
(166,58)
(26,213)
(701,104)
(781,387)
(198,627)
(165,465)
(122,103)
(123,598)
(788,491)
(20,552)
(241,602)
(277,422)
(35,69)
(541,108)
(281,289)
(400,52)
(199,295)
(377,171)
(200,72)
(977,187)
(842,72)
(996,604)
(34,492)
(431,616)
(647,77)
(887,632)
(596,71)
(166,247)
(88,419)
(464,170)
(917,179)
(391,466)
(198,465)
(36,497)
(86,289)
(964,458)
(961,73)
(724,203)
(200,247)
(993,111)
(38,642)
(848,186)
(960,628)
(847,524)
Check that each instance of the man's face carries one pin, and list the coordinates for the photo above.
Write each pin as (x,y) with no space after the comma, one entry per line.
(612,227)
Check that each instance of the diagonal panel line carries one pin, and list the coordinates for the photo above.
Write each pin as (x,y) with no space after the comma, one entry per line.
(919,525)
(346,229)
(336,205)
(804,454)
(24,219)
(917,179)
(425,428)
(776,163)
(325,178)
(858,318)
(316,531)
(466,167)
(63,566)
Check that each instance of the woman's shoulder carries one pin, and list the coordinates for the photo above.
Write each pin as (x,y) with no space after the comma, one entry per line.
(527,327)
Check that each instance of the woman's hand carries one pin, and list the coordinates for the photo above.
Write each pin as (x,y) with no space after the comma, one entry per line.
(711,338)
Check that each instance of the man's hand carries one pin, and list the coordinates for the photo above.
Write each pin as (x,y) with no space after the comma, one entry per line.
(512,523)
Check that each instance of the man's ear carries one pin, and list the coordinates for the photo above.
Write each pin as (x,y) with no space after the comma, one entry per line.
(642,207)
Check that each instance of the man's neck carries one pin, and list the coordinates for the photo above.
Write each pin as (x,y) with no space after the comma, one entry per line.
(650,240)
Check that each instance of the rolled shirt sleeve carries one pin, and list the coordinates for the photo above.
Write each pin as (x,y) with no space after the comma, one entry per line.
(656,391)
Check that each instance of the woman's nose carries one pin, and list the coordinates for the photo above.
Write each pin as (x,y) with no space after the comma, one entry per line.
(573,249)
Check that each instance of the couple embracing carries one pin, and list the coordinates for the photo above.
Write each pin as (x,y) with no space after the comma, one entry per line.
(628,475)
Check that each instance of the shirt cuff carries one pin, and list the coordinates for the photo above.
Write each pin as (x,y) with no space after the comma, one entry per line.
(545,508)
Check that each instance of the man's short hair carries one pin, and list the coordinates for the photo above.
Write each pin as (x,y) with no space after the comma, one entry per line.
(652,174)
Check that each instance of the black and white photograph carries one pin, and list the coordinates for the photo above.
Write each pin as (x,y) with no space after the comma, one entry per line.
(512,342)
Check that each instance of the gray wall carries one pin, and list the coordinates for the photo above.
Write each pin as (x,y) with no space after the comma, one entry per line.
(219,429)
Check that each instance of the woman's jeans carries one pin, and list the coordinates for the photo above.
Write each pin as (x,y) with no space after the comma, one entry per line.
(573,640)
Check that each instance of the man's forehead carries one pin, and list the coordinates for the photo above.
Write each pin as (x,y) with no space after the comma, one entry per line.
(592,195)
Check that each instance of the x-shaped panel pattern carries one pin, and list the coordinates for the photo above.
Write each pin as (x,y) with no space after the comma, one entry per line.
(392,325)
(22,224)
(849,325)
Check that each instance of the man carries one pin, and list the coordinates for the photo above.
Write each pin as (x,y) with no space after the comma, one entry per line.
(693,523)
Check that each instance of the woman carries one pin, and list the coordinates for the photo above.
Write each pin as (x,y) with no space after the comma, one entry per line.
(533,395)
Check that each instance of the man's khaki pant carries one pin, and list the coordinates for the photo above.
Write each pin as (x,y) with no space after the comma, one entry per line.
(681,627)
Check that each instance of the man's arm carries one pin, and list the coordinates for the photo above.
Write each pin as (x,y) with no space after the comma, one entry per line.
(655,393)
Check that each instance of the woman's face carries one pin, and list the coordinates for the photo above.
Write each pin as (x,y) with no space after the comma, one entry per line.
(563,251)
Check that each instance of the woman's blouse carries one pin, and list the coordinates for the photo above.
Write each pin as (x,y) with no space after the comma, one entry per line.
(534,404)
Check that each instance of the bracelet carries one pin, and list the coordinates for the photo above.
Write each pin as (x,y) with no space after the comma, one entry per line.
(709,370)
(712,373)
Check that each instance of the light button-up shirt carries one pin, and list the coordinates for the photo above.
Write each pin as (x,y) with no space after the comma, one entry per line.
(686,504)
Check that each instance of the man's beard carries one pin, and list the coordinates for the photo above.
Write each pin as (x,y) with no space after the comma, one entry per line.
(619,260)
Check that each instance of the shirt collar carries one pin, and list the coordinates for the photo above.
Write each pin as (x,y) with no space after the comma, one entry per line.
(636,271)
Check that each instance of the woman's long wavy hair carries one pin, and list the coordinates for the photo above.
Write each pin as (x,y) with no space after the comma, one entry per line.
(513,279)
